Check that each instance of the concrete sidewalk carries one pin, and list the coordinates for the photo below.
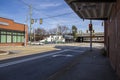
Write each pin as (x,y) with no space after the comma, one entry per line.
(89,66)
(24,51)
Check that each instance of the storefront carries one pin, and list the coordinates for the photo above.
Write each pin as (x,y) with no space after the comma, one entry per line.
(12,33)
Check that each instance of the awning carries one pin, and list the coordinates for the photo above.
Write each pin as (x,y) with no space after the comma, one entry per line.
(92,9)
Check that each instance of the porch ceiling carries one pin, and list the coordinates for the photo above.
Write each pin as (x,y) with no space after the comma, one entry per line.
(92,9)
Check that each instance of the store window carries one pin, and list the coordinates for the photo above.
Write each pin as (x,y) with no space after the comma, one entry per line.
(9,33)
(3,32)
(19,39)
(3,38)
(14,39)
(11,36)
(22,39)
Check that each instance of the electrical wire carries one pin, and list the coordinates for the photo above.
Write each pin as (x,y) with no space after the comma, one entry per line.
(48,16)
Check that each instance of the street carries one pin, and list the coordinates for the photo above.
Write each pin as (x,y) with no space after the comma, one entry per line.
(39,67)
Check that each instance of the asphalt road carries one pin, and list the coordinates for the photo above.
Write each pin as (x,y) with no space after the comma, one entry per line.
(39,67)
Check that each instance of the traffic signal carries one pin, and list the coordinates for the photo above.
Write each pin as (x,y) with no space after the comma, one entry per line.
(90,27)
(41,21)
(32,21)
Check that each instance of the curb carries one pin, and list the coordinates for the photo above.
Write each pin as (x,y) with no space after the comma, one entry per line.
(4,52)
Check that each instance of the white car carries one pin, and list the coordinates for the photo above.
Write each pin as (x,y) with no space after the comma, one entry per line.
(37,43)
(40,43)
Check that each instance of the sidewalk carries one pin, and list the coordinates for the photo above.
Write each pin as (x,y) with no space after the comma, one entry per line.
(89,66)
(24,51)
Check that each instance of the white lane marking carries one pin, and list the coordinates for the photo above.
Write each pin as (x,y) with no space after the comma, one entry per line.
(33,58)
(63,55)
(29,59)
(68,55)
(76,51)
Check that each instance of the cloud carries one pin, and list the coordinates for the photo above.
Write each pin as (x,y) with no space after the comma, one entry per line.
(46,8)
(46,5)
(62,10)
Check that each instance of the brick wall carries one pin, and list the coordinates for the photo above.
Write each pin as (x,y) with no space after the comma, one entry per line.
(112,37)
(13,26)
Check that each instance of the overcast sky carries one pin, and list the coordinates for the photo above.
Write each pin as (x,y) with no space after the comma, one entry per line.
(18,11)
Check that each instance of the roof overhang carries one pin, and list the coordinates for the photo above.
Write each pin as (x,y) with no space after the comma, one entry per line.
(92,9)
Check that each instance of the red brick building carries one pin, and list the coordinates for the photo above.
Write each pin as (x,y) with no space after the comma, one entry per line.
(12,33)
(112,37)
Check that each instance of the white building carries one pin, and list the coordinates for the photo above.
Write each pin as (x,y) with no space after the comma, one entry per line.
(54,38)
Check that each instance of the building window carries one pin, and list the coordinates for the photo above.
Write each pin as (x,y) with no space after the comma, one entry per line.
(3,38)
(19,39)
(22,39)
(9,39)
(9,33)
(3,32)
(14,39)
(7,36)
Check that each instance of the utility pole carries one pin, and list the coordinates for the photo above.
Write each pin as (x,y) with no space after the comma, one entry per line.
(30,13)
(34,34)
(90,26)
(25,37)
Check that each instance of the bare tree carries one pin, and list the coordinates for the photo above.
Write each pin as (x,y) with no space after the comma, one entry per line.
(62,30)
(52,31)
(40,33)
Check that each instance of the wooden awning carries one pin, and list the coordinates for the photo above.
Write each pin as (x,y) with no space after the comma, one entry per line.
(92,9)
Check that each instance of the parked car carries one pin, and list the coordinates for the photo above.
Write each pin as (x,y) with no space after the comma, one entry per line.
(37,43)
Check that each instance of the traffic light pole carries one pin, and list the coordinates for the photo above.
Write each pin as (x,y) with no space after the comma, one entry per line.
(30,22)
(90,37)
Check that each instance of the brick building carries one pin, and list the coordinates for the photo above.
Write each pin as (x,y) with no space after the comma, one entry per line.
(112,37)
(12,33)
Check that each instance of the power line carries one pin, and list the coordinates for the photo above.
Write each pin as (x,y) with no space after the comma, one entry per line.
(24,3)
(58,15)
(48,16)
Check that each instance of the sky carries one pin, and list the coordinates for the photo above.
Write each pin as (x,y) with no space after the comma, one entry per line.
(18,10)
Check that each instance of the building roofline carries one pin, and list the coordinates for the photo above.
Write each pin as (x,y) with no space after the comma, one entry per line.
(12,20)
(20,23)
(7,18)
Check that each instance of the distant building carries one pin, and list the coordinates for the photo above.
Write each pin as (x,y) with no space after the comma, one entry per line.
(58,38)
(12,33)
(69,38)
(54,38)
